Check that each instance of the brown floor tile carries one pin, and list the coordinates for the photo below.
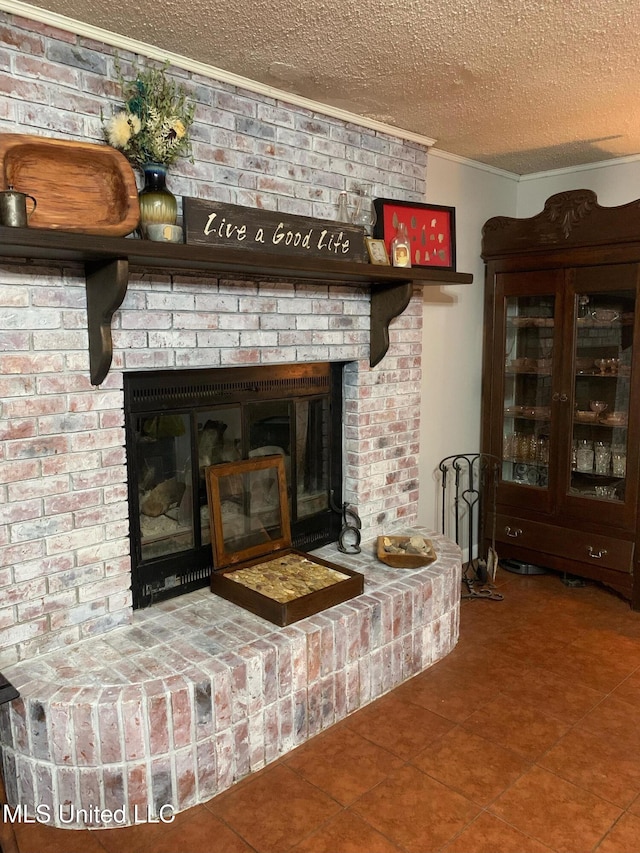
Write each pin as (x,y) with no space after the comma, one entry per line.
(40,838)
(343,764)
(450,692)
(141,836)
(525,730)
(489,834)
(564,817)
(634,808)
(629,689)
(398,726)
(606,643)
(559,697)
(529,648)
(346,833)
(603,673)
(471,765)
(414,811)
(203,833)
(275,811)
(624,837)
(600,764)
(616,719)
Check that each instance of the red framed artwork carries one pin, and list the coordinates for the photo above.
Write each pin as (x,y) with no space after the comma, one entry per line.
(431,229)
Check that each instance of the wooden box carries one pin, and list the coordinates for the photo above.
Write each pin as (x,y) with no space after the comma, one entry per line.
(254,563)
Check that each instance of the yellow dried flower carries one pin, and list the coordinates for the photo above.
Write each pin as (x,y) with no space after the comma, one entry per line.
(178,128)
(154,126)
(119,130)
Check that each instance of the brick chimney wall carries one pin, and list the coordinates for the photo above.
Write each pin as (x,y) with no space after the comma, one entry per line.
(64,548)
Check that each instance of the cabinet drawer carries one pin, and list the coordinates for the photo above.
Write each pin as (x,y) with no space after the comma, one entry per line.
(586,547)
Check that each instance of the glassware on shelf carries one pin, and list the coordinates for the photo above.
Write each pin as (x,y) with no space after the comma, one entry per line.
(364,213)
(606,492)
(509,444)
(619,463)
(542,450)
(343,214)
(401,247)
(584,456)
(602,458)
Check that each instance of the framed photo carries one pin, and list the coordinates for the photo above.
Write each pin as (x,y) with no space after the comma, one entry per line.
(377,251)
(431,229)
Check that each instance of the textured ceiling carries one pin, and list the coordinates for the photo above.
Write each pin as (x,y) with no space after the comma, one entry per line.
(522,85)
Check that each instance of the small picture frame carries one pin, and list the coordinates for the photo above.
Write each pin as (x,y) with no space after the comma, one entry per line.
(377,251)
(431,229)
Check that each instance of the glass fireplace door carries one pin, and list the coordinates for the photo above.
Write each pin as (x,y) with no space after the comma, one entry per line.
(180,423)
(163,462)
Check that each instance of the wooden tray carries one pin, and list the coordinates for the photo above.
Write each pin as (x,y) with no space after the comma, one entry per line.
(243,539)
(405,561)
(79,186)
(282,613)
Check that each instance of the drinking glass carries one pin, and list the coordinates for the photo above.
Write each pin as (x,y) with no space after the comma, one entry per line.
(619,463)
(584,456)
(602,458)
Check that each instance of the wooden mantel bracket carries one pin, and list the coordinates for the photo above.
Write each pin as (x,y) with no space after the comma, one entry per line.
(388,301)
(106,288)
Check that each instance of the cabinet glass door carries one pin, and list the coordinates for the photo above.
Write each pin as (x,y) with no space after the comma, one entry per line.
(528,365)
(603,337)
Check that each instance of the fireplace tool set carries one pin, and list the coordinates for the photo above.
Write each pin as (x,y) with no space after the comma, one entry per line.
(469,481)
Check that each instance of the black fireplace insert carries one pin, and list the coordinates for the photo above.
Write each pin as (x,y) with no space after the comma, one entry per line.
(179,422)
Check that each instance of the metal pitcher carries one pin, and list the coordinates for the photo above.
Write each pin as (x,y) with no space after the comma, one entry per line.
(13,208)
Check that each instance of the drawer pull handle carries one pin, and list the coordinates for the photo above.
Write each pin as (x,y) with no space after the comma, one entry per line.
(513,533)
(597,555)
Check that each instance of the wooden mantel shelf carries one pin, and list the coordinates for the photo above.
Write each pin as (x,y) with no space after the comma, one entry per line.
(108,260)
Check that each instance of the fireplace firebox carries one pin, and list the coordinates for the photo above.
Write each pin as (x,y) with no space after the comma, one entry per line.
(178,423)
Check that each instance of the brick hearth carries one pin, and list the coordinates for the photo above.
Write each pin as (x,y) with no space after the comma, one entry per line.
(197,693)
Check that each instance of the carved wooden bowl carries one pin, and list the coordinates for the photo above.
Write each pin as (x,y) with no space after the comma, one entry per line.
(79,186)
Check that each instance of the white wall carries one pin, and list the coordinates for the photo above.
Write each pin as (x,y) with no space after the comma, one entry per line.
(453,321)
(614,182)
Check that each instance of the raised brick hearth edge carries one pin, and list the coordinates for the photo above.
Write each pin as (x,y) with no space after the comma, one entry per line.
(197,693)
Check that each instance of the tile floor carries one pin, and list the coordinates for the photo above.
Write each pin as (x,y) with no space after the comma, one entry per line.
(524,740)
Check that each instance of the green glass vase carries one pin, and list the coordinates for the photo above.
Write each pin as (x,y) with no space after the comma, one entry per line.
(157,203)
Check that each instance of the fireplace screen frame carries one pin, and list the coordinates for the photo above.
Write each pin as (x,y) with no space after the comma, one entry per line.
(191,392)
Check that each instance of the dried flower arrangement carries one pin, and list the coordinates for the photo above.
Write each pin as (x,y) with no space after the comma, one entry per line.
(154,125)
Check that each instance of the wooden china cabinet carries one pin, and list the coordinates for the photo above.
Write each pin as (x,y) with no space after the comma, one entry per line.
(561,387)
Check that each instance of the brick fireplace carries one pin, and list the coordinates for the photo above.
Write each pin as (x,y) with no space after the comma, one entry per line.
(216,706)
(66,563)
(173,703)
(64,555)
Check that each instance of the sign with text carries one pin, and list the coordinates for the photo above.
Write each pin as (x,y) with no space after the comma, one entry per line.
(231,226)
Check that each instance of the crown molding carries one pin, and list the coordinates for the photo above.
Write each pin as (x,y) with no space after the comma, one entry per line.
(584,167)
(473,164)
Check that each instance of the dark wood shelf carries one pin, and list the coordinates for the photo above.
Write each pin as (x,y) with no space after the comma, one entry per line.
(108,261)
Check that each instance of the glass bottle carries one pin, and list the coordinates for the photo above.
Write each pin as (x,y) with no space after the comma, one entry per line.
(343,208)
(401,248)
(364,214)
